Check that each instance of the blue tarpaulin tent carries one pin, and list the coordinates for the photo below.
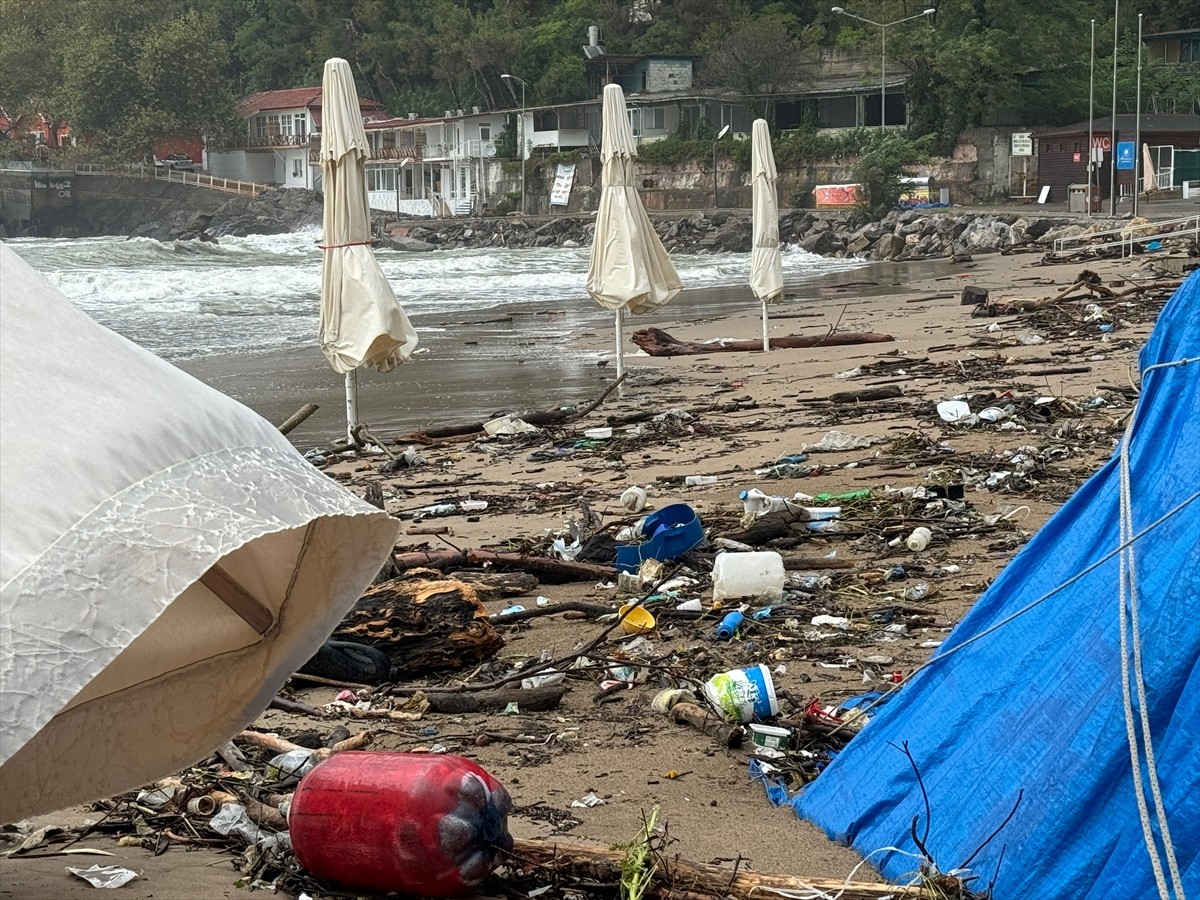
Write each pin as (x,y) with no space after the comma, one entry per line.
(1036,706)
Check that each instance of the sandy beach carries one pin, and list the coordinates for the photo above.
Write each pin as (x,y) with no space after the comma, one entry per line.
(746,411)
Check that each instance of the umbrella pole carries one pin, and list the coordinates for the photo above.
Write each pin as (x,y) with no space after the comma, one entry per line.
(619,328)
(766,339)
(352,405)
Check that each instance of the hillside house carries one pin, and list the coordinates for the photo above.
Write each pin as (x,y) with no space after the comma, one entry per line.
(278,146)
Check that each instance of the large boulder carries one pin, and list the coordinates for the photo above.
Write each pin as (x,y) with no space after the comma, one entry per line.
(889,247)
(823,243)
(408,244)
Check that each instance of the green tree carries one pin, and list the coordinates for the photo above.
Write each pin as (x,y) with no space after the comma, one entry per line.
(882,161)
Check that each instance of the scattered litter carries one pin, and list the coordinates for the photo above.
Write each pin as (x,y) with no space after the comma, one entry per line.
(837,441)
(104,876)
(587,801)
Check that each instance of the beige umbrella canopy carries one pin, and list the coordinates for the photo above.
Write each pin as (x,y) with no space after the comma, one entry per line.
(362,323)
(766,263)
(630,269)
(162,573)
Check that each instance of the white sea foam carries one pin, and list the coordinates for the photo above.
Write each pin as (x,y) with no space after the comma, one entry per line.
(261,293)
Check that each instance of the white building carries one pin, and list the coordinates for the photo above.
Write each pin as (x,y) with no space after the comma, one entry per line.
(281,140)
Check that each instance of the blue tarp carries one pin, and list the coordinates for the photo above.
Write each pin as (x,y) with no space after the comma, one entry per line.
(1036,706)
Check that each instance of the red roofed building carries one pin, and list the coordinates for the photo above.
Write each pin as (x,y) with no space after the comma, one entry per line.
(282,137)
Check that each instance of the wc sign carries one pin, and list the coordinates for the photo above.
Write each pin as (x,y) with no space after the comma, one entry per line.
(1124,154)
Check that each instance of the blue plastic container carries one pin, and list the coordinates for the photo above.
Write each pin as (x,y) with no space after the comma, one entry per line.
(672,532)
(729,625)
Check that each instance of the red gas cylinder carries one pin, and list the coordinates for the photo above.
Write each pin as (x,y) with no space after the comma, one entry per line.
(433,825)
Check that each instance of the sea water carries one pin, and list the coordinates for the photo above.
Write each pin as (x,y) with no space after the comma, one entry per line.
(493,323)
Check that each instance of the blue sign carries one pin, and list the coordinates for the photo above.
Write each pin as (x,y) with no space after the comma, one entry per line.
(1124,154)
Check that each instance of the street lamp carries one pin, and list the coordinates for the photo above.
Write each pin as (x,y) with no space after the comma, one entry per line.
(510,79)
(883,27)
(724,131)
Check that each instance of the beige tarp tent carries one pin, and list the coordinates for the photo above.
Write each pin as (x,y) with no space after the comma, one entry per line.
(163,569)
(629,269)
(766,263)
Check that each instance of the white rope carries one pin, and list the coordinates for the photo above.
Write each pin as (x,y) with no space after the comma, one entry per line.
(1131,633)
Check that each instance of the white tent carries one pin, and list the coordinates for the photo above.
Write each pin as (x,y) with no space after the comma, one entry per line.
(766,264)
(362,323)
(629,269)
(163,569)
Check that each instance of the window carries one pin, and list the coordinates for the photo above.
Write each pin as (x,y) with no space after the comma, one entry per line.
(1189,50)
(381,179)
(655,119)
(297,167)
(485,132)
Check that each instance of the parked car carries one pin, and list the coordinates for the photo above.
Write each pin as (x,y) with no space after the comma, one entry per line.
(179,162)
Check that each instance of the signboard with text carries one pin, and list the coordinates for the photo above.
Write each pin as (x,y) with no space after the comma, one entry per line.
(564,177)
(1022,143)
(1125,154)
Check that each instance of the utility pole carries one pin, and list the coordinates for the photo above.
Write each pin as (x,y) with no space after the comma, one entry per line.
(522,149)
(1112,168)
(1137,127)
(1091,165)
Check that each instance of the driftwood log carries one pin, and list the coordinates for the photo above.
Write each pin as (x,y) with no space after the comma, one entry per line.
(422,624)
(657,342)
(680,878)
(547,569)
(532,700)
(701,719)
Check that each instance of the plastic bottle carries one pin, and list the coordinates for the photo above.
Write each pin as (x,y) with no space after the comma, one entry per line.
(919,539)
(756,503)
(823,513)
(864,494)
(826,527)
(729,625)
(433,512)
(633,499)
(698,480)
(754,574)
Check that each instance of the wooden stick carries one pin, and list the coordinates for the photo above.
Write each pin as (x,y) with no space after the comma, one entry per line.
(684,878)
(258,813)
(727,735)
(297,417)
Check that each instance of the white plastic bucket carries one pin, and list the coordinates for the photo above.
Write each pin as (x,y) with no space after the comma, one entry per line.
(743,695)
(758,574)
(770,737)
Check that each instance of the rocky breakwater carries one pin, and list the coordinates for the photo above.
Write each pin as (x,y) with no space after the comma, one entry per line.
(900,236)
(275,211)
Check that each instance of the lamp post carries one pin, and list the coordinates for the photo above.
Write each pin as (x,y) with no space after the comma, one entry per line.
(1091,164)
(1138,174)
(883,27)
(510,79)
(1112,168)
(724,131)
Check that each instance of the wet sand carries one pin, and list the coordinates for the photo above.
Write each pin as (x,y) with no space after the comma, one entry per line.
(465,373)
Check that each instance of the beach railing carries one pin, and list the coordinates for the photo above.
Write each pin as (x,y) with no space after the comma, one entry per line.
(1128,235)
(228,185)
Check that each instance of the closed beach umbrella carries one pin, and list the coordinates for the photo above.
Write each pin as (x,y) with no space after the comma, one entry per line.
(162,573)
(630,269)
(362,323)
(766,264)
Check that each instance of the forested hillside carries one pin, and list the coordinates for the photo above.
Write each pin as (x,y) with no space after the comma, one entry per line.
(124,71)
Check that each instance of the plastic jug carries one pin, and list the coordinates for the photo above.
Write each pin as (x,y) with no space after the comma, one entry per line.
(755,574)
(430,825)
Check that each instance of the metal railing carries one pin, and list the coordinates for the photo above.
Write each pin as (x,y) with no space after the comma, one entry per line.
(1129,235)
(228,185)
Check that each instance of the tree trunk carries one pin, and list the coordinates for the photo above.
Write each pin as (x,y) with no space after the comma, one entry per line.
(422,624)
(657,342)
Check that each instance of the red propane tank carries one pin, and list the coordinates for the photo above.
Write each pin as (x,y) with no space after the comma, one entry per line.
(433,825)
